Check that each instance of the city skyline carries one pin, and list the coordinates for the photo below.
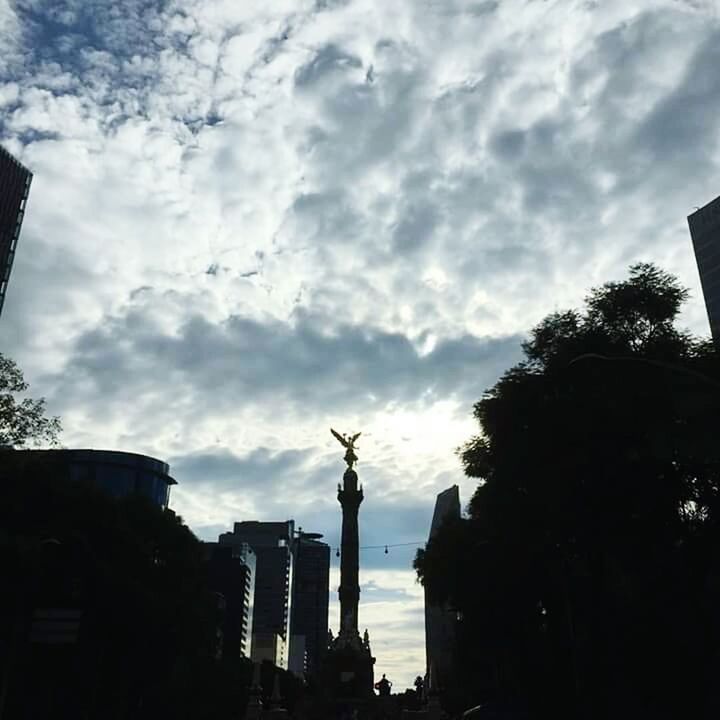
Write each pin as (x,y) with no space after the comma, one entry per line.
(251,224)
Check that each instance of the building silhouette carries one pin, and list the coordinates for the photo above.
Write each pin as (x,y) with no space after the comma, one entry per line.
(440,621)
(231,571)
(705,232)
(15,182)
(309,617)
(272,545)
(116,473)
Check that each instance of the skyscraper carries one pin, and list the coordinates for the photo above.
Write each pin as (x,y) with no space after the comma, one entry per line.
(309,619)
(705,232)
(440,621)
(15,182)
(272,545)
(232,570)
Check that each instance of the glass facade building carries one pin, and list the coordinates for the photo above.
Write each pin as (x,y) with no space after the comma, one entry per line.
(705,232)
(116,473)
(15,182)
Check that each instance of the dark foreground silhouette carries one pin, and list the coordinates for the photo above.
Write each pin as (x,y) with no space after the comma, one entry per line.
(107,610)
(587,575)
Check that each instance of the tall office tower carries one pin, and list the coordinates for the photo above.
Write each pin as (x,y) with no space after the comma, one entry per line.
(705,232)
(440,621)
(309,619)
(272,545)
(232,570)
(15,182)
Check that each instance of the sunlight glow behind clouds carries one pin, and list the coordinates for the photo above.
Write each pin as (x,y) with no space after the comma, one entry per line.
(248,224)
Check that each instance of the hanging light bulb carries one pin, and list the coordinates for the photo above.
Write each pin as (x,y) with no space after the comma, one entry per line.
(337,553)
(386,550)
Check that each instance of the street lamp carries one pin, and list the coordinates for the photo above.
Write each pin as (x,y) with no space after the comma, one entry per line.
(301,535)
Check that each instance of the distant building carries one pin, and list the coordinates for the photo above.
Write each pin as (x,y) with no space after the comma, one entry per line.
(117,473)
(272,544)
(232,570)
(309,618)
(705,232)
(440,621)
(15,182)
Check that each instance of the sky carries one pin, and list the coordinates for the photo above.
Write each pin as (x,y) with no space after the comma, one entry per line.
(251,222)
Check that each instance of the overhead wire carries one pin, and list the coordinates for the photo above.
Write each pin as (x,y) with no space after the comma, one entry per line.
(389,545)
(385,546)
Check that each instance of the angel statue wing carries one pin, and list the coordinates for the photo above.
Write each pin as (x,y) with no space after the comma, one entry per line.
(340,438)
(354,438)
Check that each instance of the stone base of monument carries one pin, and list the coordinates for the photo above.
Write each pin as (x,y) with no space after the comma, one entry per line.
(348,679)
(348,671)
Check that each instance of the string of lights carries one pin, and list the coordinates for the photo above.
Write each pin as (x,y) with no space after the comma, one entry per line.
(386,547)
(407,544)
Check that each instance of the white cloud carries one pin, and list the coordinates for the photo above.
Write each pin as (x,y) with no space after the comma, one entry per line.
(9,34)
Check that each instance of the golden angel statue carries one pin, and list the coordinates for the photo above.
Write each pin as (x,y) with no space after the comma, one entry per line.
(348,443)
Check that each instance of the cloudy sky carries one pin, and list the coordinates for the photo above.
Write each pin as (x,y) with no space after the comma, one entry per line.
(252,221)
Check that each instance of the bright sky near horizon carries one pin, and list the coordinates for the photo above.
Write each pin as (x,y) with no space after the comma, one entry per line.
(252,221)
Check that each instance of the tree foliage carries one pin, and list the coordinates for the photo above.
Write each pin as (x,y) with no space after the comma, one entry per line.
(592,534)
(22,420)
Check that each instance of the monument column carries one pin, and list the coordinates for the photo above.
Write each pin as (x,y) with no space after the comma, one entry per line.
(348,670)
(350,497)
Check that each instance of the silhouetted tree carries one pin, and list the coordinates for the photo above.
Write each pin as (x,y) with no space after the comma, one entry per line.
(23,420)
(586,566)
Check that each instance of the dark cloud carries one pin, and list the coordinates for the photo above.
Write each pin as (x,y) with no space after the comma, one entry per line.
(225,471)
(330,4)
(483,8)
(508,144)
(327,60)
(683,125)
(652,130)
(327,217)
(308,363)
(414,229)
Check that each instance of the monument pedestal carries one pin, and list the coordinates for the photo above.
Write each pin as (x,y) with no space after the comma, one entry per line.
(348,671)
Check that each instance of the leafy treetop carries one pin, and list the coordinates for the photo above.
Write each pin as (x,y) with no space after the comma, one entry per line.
(22,421)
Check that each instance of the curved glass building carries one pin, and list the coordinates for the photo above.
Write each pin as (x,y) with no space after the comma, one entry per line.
(116,473)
